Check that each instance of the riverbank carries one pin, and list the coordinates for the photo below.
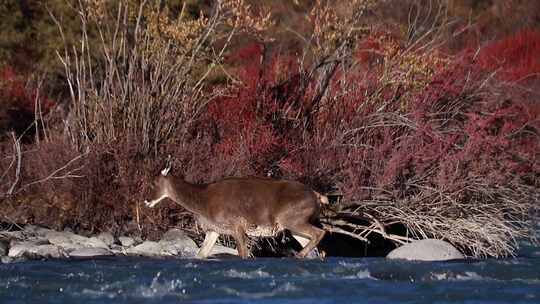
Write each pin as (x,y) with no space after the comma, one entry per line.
(34,242)
(38,243)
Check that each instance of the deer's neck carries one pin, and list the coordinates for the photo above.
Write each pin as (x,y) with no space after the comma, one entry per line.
(190,196)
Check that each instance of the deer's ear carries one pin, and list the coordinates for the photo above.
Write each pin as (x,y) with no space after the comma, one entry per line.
(168,166)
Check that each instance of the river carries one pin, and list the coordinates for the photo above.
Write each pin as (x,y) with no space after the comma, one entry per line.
(273,280)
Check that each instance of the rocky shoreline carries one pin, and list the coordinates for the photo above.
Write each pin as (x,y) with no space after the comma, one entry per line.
(38,243)
(35,242)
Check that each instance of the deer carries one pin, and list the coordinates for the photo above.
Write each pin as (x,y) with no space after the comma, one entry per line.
(245,206)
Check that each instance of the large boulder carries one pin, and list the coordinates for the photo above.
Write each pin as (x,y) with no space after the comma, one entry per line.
(426,250)
(176,242)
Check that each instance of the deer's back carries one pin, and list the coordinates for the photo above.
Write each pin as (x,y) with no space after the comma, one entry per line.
(257,201)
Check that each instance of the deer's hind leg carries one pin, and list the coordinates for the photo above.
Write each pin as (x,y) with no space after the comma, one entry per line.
(241,242)
(309,231)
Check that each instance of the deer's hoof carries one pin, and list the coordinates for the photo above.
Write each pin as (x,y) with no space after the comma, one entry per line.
(313,254)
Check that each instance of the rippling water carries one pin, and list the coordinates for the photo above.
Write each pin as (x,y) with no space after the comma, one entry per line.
(334,280)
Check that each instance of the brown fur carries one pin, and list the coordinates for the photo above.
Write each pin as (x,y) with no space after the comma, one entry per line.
(247,206)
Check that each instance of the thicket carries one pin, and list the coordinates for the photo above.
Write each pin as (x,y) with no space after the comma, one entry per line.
(382,119)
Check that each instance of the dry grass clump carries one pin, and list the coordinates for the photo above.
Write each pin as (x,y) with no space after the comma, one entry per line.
(491,225)
(144,84)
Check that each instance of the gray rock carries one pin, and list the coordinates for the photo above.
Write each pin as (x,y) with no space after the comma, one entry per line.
(6,260)
(176,242)
(147,248)
(48,251)
(138,239)
(13,235)
(90,252)
(3,248)
(126,241)
(182,249)
(117,250)
(426,250)
(71,241)
(107,238)
(65,239)
(95,242)
(36,231)
(220,249)
(29,241)
(17,249)
(32,251)
(21,236)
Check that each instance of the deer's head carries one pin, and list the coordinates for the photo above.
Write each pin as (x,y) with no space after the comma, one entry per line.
(161,186)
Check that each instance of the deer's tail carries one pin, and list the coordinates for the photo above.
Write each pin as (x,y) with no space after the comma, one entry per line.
(322,198)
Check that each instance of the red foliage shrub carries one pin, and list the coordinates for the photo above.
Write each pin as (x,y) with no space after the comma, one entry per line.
(451,130)
(515,56)
(249,58)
